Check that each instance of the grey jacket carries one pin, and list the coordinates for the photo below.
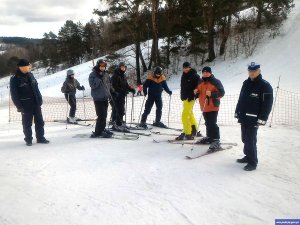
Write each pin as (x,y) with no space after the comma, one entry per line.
(100,85)
(70,86)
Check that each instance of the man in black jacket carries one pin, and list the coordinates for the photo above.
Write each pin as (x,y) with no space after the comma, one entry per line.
(27,98)
(252,110)
(189,82)
(121,88)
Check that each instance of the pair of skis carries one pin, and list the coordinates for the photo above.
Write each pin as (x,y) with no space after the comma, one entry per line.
(79,124)
(223,146)
(114,136)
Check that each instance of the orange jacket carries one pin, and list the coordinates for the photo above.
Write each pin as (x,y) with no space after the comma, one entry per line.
(217,92)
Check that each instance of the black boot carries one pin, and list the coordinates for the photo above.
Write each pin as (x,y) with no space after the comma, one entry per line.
(159,124)
(242,160)
(180,137)
(250,167)
(42,141)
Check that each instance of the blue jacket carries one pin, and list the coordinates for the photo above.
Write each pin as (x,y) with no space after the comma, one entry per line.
(24,90)
(255,102)
(100,85)
(155,86)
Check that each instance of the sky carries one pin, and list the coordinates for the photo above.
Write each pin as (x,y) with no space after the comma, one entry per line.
(35,17)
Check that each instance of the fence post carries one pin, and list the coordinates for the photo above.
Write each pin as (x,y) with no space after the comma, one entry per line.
(275,101)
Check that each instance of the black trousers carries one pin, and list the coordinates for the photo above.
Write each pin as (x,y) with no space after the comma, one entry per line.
(101,111)
(148,106)
(72,102)
(118,110)
(249,138)
(27,117)
(212,129)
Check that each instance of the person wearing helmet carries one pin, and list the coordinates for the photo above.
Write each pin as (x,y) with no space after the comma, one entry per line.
(100,91)
(154,86)
(121,88)
(69,89)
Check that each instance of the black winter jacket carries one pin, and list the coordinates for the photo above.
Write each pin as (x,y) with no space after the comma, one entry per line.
(24,91)
(119,83)
(255,101)
(189,83)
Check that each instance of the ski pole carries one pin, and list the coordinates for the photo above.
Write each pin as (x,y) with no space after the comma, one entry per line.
(169,110)
(84,113)
(205,102)
(132,110)
(141,108)
(125,110)
(67,111)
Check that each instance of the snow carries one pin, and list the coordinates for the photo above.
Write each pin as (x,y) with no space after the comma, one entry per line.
(75,181)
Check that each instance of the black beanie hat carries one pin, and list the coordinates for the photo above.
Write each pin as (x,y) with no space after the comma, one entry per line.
(206,69)
(23,62)
(186,65)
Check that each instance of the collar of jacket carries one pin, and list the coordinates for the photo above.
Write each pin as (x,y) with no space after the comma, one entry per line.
(20,74)
(208,78)
(159,79)
(190,73)
(120,72)
(259,77)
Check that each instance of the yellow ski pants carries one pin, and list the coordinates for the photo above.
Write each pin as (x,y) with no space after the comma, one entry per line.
(188,118)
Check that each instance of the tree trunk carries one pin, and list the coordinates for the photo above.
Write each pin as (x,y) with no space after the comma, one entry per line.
(156,58)
(225,34)
(210,21)
(143,61)
(260,7)
(137,62)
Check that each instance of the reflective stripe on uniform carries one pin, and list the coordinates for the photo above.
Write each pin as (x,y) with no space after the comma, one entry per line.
(253,115)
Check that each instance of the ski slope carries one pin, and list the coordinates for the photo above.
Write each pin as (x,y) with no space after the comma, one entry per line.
(82,181)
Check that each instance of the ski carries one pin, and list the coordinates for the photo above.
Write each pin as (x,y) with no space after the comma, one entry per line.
(208,152)
(190,142)
(152,126)
(138,128)
(131,132)
(162,133)
(114,136)
(79,124)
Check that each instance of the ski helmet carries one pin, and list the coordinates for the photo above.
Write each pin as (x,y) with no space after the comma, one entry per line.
(158,70)
(101,62)
(70,72)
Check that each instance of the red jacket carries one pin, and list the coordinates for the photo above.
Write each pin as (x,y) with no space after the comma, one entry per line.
(217,92)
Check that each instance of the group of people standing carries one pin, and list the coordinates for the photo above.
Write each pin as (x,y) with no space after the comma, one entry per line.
(252,110)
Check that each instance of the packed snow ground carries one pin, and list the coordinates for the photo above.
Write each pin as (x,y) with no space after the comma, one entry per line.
(75,181)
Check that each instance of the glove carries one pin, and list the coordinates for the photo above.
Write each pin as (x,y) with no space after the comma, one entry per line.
(170,93)
(21,110)
(82,88)
(261,122)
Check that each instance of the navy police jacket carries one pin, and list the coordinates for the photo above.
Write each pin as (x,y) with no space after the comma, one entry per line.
(24,91)
(255,102)
(155,85)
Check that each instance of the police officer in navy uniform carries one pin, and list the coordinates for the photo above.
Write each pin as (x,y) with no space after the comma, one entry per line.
(27,98)
(252,110)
